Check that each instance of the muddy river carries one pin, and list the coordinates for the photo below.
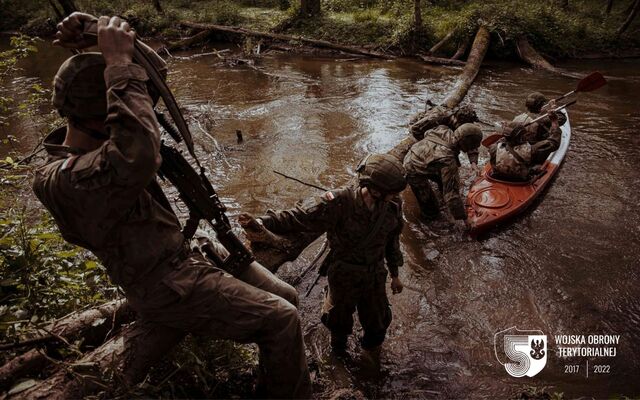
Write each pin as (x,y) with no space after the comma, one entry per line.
(567,267)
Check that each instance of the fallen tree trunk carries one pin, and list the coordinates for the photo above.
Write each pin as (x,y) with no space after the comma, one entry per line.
(442,61)
(123,360)
(441,43)
(529,55)
(284,38)
(462,49)
(21,366)
(478,51)
(190,41)
(400,150)
(92,326)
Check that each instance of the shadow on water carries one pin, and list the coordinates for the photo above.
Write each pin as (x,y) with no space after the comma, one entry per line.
(568,266)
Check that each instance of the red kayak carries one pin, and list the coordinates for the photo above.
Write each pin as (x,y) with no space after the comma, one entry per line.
(492,201)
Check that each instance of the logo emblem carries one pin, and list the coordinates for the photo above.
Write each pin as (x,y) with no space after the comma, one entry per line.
(521,352)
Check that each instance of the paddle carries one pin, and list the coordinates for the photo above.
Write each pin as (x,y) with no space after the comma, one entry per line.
(589,83)
(489,140)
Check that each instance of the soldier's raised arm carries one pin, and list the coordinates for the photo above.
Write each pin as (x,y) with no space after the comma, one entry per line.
(315,214)
(133,149)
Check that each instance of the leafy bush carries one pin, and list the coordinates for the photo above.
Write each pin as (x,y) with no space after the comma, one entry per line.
(222,12)
(43,277)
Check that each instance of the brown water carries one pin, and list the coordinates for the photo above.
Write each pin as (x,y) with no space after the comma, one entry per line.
(569,266)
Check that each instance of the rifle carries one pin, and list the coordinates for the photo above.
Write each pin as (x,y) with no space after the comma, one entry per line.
(203,203)
(194,188)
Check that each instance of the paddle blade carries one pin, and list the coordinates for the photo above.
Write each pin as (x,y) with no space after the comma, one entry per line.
(489,140)
(591,82)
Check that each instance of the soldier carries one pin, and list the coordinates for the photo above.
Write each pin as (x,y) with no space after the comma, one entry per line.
(441,115)
(435,158)
(99,185)
(523,148)
(363,225)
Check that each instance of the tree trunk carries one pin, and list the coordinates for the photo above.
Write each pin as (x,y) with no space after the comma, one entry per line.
(462,49)
(400,150)
(285,38)
(609,6)
(529,55)
(92,325)
(442,61)
(309,8)
(124,360)
(478,51)
(190,41)
(441,43)
(158,6)
(417,16)
(630,18)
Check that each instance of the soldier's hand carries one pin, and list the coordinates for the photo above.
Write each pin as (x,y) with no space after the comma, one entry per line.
(476,170)
(115,40)
(396,285)
(70,31)
(549,106)
(245,219)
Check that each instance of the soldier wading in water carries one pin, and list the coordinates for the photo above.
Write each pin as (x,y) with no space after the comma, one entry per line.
(363,224)
(99,185)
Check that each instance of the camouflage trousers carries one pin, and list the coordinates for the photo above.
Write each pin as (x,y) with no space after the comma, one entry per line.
(356,287)
(257,307)
(426,197)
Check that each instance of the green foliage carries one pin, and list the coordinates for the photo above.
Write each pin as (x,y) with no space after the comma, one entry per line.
(43,277)
(220,12)
(21,47)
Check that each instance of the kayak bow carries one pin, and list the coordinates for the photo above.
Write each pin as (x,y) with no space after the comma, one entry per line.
(492,201)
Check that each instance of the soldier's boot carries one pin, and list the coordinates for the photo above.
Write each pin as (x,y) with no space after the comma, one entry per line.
(338,344)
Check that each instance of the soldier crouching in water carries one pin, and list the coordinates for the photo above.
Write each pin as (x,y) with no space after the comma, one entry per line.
(99,185)
(363,225)
(435,158)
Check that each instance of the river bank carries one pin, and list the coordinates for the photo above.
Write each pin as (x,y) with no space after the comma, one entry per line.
(580,30)
(567,267)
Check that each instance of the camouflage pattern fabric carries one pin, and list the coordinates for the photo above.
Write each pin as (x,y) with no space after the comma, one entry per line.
(435,158)
(532,147)
(101,201)
(356,271)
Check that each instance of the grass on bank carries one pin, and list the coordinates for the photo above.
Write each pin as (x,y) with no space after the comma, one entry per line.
(583,27)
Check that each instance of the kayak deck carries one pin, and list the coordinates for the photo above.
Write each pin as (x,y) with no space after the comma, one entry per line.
(492,201)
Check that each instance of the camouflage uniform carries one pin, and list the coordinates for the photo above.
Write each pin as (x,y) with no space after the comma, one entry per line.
(435,158)
(356,272)
(108,201)
(512,158)
(440,115)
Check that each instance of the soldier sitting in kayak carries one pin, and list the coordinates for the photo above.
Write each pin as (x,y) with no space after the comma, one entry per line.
(435,158)
(516,156)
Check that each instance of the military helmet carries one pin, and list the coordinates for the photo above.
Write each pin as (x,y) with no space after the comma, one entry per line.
(383,172)
(469,136)
(535,101)
(79,89)
(466,114)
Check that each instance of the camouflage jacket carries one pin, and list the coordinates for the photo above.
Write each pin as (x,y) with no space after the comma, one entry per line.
(436,157)
(426,120)
(343,214)
(540,136)
(101,199)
